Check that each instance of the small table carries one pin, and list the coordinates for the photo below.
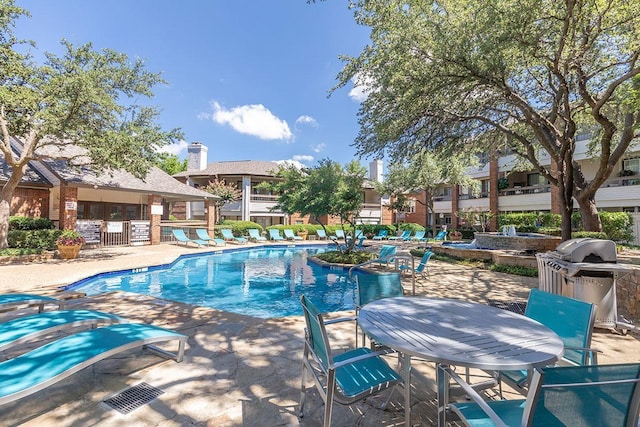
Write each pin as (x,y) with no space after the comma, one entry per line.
(461,333)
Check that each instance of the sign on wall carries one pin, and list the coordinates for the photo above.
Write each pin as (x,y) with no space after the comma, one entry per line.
(90,230)
(157,210)
(140,230)
(114,227)
(71,205)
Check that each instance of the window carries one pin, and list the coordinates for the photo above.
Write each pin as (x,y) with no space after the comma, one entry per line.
(411,206)
(535,179)
(446,191)
(485,186)
(632,165)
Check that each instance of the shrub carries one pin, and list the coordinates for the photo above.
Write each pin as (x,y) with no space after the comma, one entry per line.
(617,225)
(413,227)
(27,223)
(519,220)
(550,220)
(239,228)
(589,234)
(355,257)
(33,239)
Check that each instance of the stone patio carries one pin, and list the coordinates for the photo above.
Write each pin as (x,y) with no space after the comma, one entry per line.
(237,370)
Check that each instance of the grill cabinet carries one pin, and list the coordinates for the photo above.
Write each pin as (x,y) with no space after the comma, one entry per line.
(585,269)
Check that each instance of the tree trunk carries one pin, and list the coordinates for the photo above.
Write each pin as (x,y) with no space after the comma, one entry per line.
(589,214)
(5,210)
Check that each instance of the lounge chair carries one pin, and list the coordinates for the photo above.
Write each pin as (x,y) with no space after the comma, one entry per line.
(604,395)
(182,238)
(386,254)
(274,234)
(345,378)
(36,370)
(571,319)
(382,234)
(14,300)
(422,266)
(254,234)
(26,328)
(419,236)
(203,234)
(338,234)
(321,234)
(289,235)
(442,235)
(404,236)
(227,234)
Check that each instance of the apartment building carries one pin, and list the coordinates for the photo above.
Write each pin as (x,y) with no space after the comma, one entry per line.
(503,189)
(257,204)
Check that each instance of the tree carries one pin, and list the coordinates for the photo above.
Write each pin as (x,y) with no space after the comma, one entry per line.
(171,164)
(426,171)
(327,189)
(227,193)
(517,74)
(84,99)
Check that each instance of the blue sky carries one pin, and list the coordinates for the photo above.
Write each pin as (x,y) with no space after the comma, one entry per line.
(249,79)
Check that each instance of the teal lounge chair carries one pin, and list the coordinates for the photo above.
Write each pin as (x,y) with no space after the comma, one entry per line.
(346,377)
(339,234)
(36,370)
(274,234)
(182,238)
(254,234)
(289,235)
(386,254)
(382,234)
(442,235)
(26,328)
(14,300)
(228,235)
(404,236)
(203,235)
(598,395)
(419,236)
(321,234)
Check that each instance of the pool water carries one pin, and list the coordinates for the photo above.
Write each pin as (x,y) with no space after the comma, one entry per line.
(261,282)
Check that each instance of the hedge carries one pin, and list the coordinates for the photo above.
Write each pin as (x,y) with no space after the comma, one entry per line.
(33,239)
(27,223)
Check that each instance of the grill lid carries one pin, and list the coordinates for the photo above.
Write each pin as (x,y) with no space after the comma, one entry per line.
(586,250)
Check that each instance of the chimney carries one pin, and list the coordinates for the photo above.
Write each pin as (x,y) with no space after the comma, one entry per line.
(197,159)
(375,170)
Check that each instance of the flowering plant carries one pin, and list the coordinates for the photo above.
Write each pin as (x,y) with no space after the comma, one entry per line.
(70,238)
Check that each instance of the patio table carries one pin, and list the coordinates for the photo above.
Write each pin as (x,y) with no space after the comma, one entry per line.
(460,333)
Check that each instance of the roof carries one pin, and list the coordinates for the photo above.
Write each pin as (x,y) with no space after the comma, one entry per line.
(31,175)
(239,167)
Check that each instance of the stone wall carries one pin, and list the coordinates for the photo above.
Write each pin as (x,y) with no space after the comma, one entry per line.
(524,242)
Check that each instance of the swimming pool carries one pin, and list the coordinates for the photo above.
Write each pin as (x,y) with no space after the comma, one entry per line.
(260,282)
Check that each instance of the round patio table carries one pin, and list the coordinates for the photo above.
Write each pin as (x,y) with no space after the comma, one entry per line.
(460,333)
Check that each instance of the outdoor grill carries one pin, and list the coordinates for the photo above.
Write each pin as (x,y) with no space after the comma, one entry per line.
(584,269)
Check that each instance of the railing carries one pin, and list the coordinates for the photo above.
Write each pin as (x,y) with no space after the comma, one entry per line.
(623,180)
(534,189)
(263,198)
(115,233)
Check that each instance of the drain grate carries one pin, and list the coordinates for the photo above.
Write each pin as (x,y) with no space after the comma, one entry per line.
(515,306)
(133,397)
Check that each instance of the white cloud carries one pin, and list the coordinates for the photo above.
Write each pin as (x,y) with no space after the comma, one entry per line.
(307,120)
(362,87)
(303,158)
(290,162)
(176,148)
(318,147)
(254,120)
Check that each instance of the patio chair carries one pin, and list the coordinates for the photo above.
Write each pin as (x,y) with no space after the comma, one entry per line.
(289,234)
(322,235)
(227,234)
(182,238)
(339,234)
(372,287)
(254,234)
(422,267)
(404,236)
(386,254)
(344,378)
(419,236)
(46,365)
(204,235)
(23,329)
(596,395)
(571,319)
(14,300)
(442,235)
(382,234)
(274,234)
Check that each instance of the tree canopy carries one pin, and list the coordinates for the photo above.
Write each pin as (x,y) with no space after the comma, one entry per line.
(519,75)
(226,193)
(171,164)
(84,98)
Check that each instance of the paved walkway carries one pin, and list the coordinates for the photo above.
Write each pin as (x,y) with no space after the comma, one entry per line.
(237,370)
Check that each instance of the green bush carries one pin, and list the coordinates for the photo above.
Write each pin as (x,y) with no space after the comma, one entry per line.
(589,234)
(518,220)
(33,239)
(355,257)
(239,228)
(412,226)
(550,231)
(617,225)
(27,223)
(550,220)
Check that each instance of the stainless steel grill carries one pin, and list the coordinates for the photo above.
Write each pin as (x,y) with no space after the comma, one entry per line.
(584,269)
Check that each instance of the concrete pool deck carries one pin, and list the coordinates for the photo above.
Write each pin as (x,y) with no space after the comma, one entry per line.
(237,370)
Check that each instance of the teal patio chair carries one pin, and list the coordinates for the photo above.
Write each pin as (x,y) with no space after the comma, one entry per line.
(595,395)
(404,236)
(227,234)
(290,235)
(442,235)
(386,254)
(274,234)
(382,234)
(571,319)
(419,236)
(422,267)
(181,237)
(322,235)
(344,378)
(338,234)
(203,234)
(254,234)
(371,287)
